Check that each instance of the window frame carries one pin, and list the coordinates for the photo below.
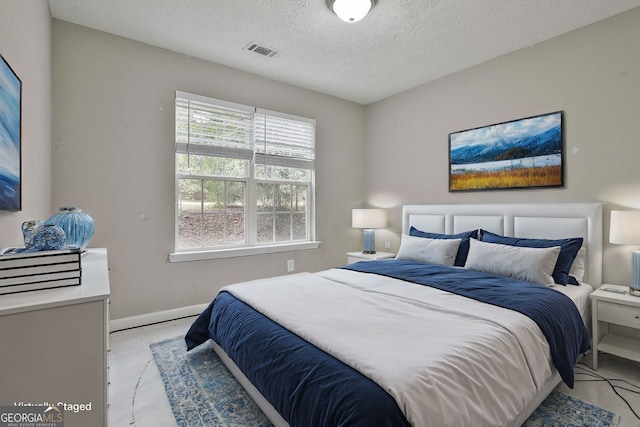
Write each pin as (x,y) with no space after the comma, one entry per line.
(251,245)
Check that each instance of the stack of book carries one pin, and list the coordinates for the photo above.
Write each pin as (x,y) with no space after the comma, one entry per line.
(31,271)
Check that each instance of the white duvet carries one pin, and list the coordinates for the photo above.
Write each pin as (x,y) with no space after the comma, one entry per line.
(447,360)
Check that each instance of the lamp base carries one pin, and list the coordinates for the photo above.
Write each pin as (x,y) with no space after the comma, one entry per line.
(369,241)
(634,289)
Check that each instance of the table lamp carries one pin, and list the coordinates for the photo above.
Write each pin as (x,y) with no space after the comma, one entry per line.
(625,230)
(369,220)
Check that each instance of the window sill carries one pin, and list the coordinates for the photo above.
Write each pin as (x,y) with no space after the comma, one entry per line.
(238,252)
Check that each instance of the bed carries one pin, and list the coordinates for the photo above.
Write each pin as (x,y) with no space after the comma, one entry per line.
(408,342)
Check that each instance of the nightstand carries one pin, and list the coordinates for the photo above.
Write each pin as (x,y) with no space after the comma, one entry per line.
(359,256)
(618,309)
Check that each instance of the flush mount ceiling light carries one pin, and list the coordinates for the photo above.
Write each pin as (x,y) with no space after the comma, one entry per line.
(351,10)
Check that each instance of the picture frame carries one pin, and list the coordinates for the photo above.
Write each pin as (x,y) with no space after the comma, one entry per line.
(10,138)
(518,154)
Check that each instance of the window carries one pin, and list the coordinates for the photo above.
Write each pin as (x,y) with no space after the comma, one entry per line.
(244,176)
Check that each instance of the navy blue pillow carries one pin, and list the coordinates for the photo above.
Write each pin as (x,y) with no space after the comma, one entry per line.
(568,250)
(463,249)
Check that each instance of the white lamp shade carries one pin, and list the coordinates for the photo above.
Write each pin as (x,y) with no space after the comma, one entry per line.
(368,218)
(625,228)
(351,10)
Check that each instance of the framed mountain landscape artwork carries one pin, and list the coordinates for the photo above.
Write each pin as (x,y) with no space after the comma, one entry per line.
(523,153)
(10,133)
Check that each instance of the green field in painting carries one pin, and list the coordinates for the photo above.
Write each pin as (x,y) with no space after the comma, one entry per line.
(547,176)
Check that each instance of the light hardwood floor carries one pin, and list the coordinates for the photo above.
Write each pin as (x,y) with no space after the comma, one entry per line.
(137,396)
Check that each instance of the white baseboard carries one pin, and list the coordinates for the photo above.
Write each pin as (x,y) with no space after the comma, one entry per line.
(155,317)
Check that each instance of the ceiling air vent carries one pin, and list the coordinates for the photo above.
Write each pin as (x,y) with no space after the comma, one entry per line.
(262,50)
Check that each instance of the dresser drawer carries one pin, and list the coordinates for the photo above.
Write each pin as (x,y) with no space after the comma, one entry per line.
(619,314)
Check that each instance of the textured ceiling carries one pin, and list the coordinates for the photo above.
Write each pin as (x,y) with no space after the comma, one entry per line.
(399,45)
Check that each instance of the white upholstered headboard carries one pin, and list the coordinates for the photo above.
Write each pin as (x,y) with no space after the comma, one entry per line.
(527,220)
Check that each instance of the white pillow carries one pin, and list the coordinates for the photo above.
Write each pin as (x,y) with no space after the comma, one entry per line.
(428,251)
(577,268)
(519,262)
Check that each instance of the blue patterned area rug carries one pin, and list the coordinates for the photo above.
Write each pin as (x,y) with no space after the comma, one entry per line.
(560,410)
(203,392)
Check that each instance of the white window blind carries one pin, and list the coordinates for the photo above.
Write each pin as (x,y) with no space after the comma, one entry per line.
(243,132)
(211,127)
(284,140)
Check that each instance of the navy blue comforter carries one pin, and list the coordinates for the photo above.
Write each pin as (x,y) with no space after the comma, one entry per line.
(311,388)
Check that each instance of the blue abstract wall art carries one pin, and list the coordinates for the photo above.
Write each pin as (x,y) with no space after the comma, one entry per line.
(10,134)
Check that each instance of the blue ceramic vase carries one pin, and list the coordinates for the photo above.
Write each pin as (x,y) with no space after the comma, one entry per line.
(77,225)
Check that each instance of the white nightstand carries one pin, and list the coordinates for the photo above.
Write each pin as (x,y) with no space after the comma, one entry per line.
(619,309)
(359,256)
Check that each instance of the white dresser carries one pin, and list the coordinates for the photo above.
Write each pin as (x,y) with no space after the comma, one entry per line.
(53,345)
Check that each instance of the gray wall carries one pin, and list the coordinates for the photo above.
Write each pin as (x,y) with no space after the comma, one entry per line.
(592,74)
(113,151)
(25,43)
